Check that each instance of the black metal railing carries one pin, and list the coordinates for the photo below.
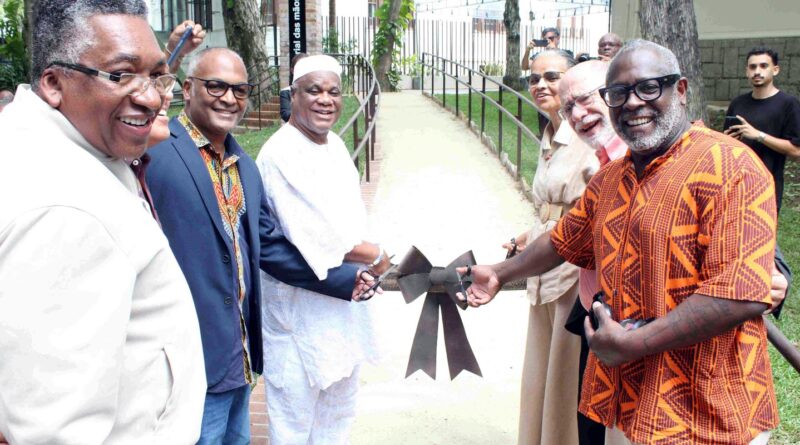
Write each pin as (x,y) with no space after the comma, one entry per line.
(465,78)
(358,79)
(267,84)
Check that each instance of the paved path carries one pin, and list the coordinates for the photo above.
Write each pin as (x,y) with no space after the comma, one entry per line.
(439,189)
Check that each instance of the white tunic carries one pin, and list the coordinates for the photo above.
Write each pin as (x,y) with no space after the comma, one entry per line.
(313,192)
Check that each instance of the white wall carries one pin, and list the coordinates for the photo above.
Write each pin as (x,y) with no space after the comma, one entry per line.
(345,8)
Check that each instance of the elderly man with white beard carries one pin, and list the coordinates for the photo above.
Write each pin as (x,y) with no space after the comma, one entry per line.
(681,231)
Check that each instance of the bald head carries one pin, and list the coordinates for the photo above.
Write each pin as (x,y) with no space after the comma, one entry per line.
(215,92)
(608,46)
(581,104)
(209,56)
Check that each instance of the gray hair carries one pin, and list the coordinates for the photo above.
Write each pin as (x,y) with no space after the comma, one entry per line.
(191,70)
(61,32)
(556,52)
(669,63)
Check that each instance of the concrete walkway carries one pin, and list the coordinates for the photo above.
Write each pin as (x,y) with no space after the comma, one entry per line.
(439,189)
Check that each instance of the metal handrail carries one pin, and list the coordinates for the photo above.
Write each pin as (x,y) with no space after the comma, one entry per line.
(440,64)
(366,83)
(271,75)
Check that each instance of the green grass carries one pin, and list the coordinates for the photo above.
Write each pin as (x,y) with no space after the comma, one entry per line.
(493,117)
(787,380)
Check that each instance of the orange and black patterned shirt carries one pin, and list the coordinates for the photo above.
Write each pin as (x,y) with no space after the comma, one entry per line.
(700,220)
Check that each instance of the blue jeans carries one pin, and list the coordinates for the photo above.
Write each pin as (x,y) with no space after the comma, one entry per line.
(226,418)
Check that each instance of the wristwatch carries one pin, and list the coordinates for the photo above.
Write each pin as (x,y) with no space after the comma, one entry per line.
(379,258)
(761,137)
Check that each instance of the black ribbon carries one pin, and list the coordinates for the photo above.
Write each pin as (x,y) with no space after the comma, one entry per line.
(417,276)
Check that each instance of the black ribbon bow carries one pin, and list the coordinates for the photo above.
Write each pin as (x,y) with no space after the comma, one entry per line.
(416,276)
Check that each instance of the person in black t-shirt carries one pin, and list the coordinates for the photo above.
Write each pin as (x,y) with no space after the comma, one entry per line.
(766,119)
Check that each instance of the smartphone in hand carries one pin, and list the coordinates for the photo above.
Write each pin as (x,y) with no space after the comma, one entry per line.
(540,42)
(731,120)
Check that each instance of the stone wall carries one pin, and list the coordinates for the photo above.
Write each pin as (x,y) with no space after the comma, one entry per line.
(724,65)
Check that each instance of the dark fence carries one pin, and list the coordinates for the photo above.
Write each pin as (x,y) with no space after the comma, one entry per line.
(511,106)
(358,79)
(475,44)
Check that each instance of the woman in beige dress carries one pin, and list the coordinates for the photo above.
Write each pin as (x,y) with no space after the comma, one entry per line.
(549,396)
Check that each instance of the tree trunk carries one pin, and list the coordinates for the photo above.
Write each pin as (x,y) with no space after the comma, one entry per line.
(247,38)
(333,34)
(385,60)
(672,23)
(30,8)
(511,22)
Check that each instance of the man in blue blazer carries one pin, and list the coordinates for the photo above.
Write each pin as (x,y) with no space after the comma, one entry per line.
(210,200)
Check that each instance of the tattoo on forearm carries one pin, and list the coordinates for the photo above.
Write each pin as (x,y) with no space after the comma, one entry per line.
(694,321)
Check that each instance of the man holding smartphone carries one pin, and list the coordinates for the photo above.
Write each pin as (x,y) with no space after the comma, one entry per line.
(766,119)
(550,39)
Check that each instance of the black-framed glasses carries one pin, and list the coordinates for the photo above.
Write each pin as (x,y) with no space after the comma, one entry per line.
(549,76)
(218,88)
(647,90)
(134,83)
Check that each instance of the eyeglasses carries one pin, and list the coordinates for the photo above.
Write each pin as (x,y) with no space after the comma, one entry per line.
(647,90)
(218,88)
(134,83)
(549,76)
(584,100)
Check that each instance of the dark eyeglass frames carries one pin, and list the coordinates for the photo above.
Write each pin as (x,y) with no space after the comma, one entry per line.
(549,76)
(218,88)
(647,90)
(134,83)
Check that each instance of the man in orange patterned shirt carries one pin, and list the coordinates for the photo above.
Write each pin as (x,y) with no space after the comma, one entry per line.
(681,231)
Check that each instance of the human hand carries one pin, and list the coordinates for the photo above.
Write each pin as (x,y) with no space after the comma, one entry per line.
(778,289)
(362,289)
(198,34)
(383,266)
(607,342)
(485,285)
(521,242)
(531,45)
(743,130)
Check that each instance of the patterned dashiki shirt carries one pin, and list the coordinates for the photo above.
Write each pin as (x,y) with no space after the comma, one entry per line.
(224,173)
(700,220)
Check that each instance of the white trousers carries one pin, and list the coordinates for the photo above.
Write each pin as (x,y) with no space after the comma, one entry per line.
(300,414)
(615,437)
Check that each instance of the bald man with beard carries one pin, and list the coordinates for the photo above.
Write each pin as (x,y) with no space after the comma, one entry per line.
(681,231)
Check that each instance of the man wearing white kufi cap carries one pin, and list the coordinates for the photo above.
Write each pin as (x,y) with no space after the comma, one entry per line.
(314,345)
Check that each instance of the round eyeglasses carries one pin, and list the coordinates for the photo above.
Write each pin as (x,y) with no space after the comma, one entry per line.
(647,90)
(218,88)
(134,83)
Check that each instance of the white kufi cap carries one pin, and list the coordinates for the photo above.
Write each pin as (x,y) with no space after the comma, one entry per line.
(311,64)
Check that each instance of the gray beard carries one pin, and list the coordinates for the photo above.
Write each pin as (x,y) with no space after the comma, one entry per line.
(662,134)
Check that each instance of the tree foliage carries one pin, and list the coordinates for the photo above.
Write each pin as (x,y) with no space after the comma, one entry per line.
(14,61)
(393,17)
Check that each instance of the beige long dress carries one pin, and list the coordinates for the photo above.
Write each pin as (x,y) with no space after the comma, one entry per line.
(549,397)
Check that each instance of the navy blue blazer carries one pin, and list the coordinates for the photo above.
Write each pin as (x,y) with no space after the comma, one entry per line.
(184,198)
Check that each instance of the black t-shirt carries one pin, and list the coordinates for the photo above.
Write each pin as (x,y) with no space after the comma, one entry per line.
(777,116)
